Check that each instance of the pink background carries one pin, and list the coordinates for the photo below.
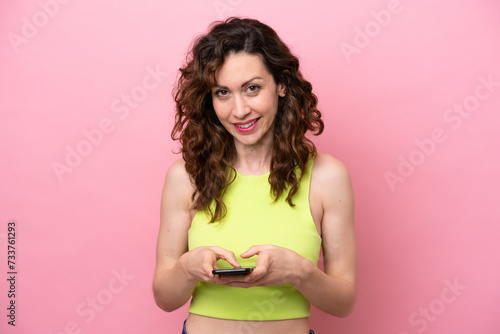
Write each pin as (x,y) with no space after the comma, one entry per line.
(391,77)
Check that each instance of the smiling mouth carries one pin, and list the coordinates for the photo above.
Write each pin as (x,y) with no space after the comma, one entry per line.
(247,125)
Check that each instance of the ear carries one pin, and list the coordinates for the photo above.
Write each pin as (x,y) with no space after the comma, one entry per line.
(281,90)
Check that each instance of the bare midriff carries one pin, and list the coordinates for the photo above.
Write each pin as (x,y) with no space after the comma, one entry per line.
(198,324)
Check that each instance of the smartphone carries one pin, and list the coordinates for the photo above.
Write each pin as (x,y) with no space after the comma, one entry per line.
(233,271)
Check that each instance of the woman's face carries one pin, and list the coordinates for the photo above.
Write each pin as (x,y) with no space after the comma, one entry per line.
(245,99)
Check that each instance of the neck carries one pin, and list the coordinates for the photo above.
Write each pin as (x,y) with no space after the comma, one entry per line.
(253,160)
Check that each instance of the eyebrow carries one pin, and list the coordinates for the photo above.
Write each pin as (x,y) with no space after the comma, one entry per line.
(242,85)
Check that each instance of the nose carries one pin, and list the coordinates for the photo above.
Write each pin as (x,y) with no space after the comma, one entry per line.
(240,107)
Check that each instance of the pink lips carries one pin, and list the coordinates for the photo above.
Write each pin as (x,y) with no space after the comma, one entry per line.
(246,126)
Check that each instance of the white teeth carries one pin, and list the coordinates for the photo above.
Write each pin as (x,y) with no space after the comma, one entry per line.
(246,126)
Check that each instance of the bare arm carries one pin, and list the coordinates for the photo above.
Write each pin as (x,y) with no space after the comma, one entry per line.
(334,290)
(172,286)
(177,269)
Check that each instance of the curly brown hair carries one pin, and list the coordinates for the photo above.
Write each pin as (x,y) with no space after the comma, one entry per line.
(207,148)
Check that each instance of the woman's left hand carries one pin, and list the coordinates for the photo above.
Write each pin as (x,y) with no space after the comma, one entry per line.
(274,266)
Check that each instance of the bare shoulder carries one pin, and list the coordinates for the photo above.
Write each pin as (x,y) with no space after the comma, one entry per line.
(178,186)
(177,170)
(177,174)
(328,170)
(331,184)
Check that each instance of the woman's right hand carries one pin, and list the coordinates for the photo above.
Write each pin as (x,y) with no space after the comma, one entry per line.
(199,262)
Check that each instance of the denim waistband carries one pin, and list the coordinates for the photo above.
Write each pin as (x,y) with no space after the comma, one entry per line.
(184,331)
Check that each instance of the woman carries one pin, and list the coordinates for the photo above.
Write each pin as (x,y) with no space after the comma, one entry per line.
(251,191)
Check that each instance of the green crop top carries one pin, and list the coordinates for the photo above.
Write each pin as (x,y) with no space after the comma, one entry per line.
(253,218)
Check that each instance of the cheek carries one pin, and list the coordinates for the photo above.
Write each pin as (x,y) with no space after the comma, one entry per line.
(265,103)
(222,110)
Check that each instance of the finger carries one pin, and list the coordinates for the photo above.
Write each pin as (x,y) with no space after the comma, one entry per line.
(226,255)
(239,284)
(207,269)
(225,279)
(208,263)
(261,268)
(254,250)
(214,266)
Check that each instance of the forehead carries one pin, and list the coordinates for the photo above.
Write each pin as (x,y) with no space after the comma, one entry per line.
(239,68)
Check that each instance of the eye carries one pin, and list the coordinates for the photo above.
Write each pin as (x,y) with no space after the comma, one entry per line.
(221,92)
(253,88)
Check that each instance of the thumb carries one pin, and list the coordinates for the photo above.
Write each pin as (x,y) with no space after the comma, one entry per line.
(254,250)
